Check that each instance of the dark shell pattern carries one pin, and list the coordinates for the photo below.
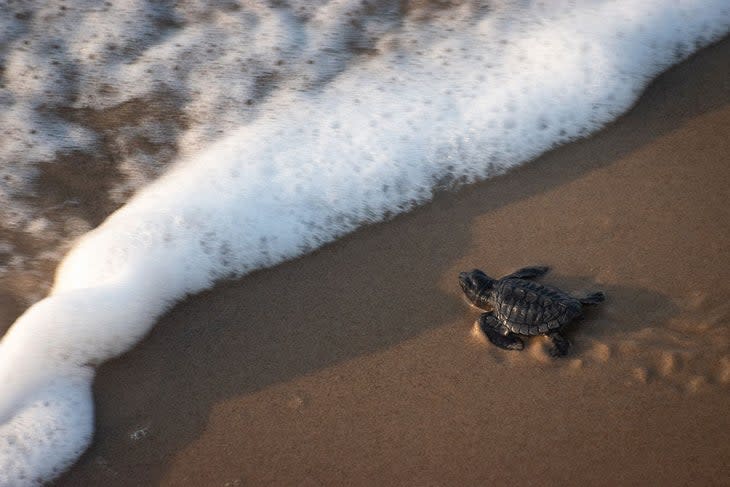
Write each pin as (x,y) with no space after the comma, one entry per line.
(529,308)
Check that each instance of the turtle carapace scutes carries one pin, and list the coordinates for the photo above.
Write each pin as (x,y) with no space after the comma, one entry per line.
(515,306)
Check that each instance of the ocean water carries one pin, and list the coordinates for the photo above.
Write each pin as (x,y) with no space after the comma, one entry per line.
(234,136)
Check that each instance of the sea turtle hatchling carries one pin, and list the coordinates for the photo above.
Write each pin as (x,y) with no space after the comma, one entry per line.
(516,306)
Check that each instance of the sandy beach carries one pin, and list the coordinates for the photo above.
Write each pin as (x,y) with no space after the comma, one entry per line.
(359,365)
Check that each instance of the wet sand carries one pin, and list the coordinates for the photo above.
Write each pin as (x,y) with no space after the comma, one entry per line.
(359,365)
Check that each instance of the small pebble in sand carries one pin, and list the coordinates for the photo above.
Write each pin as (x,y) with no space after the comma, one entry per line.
(295,402)
(139,433)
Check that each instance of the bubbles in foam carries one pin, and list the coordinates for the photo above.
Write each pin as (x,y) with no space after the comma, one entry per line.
(322,148)
(56,423)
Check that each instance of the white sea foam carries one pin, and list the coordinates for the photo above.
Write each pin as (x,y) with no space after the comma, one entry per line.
(465,95)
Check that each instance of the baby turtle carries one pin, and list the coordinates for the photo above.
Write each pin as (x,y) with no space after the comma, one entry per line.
(515,306)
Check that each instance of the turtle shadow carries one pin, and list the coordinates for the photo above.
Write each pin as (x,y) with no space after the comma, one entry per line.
(365,293)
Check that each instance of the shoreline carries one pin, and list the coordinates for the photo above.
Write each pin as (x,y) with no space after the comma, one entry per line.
(357,360)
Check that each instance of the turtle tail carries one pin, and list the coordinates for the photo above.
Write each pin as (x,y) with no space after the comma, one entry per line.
(593,298)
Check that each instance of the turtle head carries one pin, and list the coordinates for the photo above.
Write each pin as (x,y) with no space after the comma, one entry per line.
(476,286)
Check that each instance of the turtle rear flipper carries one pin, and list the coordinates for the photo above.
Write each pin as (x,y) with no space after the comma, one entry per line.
(561,345)
(498,333)
(593,298)
(528,272)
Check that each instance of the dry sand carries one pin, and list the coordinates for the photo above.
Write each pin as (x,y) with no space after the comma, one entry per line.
(357,364)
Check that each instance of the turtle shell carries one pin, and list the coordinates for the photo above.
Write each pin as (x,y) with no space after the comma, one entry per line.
(529,308)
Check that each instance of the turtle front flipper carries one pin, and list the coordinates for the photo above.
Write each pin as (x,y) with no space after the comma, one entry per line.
(561,345)
(528,272)
(498,333)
